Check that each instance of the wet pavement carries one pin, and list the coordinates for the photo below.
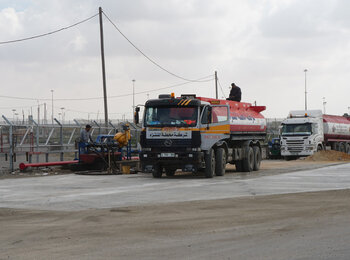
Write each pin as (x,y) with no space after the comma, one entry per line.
(79,192)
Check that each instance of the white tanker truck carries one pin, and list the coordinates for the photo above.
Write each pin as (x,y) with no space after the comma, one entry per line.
(307,131)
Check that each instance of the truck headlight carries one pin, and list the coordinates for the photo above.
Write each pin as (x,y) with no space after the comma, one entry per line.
(190,155)
(198,149)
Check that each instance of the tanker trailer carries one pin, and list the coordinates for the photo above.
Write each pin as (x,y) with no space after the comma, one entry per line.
(197,134)
(307,131)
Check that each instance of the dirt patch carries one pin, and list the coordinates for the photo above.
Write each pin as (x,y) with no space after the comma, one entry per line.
(328,156)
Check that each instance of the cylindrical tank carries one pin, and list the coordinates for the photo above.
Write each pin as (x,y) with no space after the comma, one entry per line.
(244,118)
(336,127)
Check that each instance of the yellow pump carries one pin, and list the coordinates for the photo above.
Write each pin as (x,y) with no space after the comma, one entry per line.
(123,138)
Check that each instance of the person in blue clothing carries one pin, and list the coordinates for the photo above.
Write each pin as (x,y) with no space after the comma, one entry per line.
(85,134)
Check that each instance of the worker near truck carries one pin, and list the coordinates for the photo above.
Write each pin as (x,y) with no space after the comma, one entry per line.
(235,93)
(85,134)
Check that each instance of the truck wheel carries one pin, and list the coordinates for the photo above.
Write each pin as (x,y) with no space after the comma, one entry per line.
(319,148)
(336,146)
(220,159)
(239,166)
(342,147)
(209,164)
(257,158)
(248,162)
(158,171)
(169,172)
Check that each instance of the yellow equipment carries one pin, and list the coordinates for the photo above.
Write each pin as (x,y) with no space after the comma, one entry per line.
(123,138)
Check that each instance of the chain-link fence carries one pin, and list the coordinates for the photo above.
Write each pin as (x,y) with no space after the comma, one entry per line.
(31,142)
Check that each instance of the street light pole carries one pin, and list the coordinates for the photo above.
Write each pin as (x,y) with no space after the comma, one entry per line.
(324,105)
(52,106)
(133,96)
(305,70)
(63,114)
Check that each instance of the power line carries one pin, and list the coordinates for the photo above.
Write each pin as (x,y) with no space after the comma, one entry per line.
(96,98)
(46,34)
(146,56)
(221,88)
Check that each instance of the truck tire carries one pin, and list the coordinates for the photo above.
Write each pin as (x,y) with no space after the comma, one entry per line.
(170,172)
(220,162)
(248,162)
(319,148)
(209,164)
(239,166)
(158,171)
(257,158)
(342,147)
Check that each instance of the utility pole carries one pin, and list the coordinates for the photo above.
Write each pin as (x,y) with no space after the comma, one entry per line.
(103,68)
(324,105)
(305,70)
(216,85)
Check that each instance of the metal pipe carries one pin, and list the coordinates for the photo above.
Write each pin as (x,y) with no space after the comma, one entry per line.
(23,166)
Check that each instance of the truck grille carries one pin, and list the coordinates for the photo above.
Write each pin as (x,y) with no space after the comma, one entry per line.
(295,145)
(174,143)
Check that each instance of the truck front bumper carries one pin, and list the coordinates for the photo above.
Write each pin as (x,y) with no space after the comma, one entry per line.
(186,161)
(303,153)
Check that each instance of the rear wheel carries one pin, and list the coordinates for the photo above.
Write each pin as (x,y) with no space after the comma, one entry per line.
(257,158)
(342,147)
(319,148)
(157,172)
(209,164)
(169,172)
(220,159)
(248,162)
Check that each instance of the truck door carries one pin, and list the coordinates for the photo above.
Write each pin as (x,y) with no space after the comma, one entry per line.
(214,125)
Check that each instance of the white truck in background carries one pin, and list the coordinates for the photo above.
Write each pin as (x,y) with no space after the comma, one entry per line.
(307,131)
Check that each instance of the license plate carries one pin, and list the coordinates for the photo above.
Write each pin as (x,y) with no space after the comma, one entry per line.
(167,155)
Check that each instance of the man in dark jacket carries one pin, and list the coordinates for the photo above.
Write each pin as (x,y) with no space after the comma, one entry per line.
(235,93)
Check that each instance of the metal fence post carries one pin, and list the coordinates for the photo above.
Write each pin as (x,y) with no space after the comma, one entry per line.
(10,141)
(36,139)
(61,138)
(99,127)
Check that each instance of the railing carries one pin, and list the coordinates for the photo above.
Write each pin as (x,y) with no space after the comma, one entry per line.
(33,142)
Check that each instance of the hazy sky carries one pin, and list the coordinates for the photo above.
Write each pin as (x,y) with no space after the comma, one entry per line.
(262,46)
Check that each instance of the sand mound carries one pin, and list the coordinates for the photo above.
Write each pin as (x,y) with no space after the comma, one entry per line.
(329,156)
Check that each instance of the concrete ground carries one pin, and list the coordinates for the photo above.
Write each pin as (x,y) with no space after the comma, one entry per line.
(79,192)
(271,214)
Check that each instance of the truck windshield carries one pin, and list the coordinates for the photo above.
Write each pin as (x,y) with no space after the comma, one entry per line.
(171,116)
(296,129)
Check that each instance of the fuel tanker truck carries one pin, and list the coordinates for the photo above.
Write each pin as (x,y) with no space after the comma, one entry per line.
(307,131)
(198,134)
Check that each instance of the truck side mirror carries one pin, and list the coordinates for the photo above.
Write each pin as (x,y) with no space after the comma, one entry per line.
(136,115)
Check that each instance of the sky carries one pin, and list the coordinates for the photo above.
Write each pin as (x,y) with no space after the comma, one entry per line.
(263,46)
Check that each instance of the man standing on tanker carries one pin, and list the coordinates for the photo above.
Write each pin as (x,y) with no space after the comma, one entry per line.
(235,93)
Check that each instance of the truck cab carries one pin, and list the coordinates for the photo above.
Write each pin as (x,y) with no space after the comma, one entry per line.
(302,133)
